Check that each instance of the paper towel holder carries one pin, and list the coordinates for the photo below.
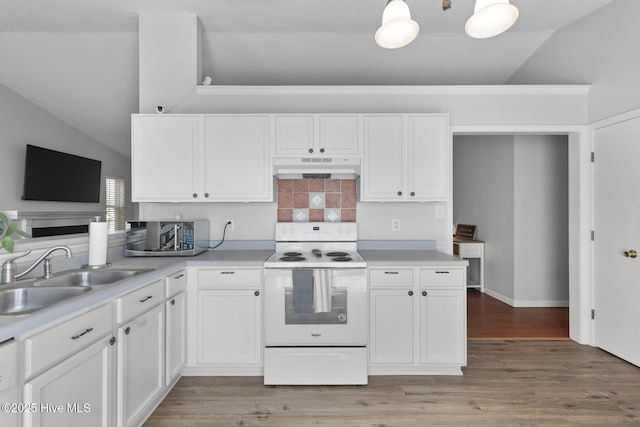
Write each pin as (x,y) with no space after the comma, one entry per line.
(96,218)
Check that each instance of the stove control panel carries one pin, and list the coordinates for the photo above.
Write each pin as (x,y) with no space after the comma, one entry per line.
(316,231)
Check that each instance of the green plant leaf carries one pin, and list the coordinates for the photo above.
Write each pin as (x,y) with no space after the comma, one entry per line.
(11,229)
(3,218)
(23,233)
(8,243)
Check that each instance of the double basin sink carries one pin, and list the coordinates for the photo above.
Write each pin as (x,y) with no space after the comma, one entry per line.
(19,298)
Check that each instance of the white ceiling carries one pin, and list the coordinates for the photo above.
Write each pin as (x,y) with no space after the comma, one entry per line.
(79,58)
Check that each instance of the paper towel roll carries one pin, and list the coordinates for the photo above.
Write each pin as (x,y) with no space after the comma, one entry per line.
(97,243)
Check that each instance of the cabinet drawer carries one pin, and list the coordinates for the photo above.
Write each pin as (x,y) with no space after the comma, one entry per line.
(176,283)
(448,277)
(390,277)
(468,250)
(234,278)
(138,301)
(69,337)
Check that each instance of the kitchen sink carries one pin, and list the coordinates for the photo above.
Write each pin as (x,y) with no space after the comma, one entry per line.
(25,300)
(88,277)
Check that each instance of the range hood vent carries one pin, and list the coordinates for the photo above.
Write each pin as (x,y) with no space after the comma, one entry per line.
(316,167)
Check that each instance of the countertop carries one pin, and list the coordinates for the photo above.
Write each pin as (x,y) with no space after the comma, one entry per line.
(411,258)
(20,326)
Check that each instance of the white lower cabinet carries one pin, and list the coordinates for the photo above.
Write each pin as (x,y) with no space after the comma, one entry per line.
(176,346)
(417,321)
(9,385)
(76,392)
(141,348)
(391,330)
(230,326)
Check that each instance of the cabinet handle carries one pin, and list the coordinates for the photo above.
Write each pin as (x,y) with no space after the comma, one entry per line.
(227,272)
(410,293)
(322,150)
(399,193)
(424,293)
(112,341)
(391,272)
(412,194)
(443,272)
(310,150)
(127,330)
(206,194)
(173,301)
(257,293)
(75,337)
(179,276)
(148,297)
(195,195)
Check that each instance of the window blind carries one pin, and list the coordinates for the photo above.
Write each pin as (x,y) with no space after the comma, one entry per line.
(115,201)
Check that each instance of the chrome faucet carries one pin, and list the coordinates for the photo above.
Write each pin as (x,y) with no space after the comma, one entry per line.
(9,267)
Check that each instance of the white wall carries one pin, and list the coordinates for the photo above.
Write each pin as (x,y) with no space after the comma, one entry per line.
(600,49)
(541,233)
(515,188)
(22,122)
(482,195)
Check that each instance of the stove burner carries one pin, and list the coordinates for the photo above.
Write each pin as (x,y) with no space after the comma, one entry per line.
(292,258)
(338,254)
(292,254)
(342,259)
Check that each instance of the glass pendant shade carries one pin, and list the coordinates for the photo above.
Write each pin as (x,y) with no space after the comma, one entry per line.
(398,29)
(490,18)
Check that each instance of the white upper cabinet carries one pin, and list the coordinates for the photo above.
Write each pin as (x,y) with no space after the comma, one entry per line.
(201,158)
(317,135)
(164,157)
(406,158)
(237,158)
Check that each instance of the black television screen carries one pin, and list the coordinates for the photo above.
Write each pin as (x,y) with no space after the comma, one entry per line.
(54,176)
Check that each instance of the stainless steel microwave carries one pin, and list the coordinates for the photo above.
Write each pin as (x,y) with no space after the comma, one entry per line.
(167,238)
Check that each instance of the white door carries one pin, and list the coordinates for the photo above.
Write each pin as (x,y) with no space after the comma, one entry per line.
(383,177)
(428,158)
(176,346)
(617,230)
(391,332)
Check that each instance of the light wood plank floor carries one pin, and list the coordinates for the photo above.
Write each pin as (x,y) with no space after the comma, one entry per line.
(506,383)
(489,318)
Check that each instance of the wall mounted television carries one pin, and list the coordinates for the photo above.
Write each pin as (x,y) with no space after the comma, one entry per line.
(54,176)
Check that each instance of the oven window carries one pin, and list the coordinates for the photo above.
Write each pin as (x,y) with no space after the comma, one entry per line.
(336,316)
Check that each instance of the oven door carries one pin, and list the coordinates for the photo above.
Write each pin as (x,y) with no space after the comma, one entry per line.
(342,321)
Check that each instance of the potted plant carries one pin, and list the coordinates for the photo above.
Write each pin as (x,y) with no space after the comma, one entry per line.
(7,230)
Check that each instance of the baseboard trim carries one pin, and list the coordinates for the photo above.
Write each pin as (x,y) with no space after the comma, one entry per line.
(526,303)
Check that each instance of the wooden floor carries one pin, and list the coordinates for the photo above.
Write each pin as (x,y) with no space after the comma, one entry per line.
(506,383)
(489,318)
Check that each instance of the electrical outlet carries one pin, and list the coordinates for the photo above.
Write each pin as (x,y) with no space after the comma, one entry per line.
(232,225)
(395,225)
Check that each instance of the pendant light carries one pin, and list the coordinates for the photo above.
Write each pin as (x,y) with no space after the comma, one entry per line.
(490,18)
(398,29)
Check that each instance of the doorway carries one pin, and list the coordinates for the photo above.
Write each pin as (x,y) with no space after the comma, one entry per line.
(515,189)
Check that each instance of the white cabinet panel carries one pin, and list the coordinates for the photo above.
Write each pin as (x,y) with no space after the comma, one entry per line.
(237,158)
(140,365)
(176,345)
(317,135)
(82,385)
(165,157)
(229,326)
(338,135)
(443,326)
(428,157)
(391,331)
(383,177)
(294,134)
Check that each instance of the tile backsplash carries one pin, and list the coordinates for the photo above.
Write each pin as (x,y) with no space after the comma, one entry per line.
(316,200)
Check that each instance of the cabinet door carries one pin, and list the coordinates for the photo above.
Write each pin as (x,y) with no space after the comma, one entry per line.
(237,158)
(140,365)
(338,135)
(164,158)
(76,392)
(176,312)
(443,327)
(428,158)
(230,326)
(294,135)
(391,326)
(383,155)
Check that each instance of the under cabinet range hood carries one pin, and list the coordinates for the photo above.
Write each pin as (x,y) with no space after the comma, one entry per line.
(316,167)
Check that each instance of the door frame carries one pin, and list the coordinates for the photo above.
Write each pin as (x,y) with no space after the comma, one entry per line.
(580,171)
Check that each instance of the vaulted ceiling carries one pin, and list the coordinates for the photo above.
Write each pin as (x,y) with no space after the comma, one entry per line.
(78,59)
